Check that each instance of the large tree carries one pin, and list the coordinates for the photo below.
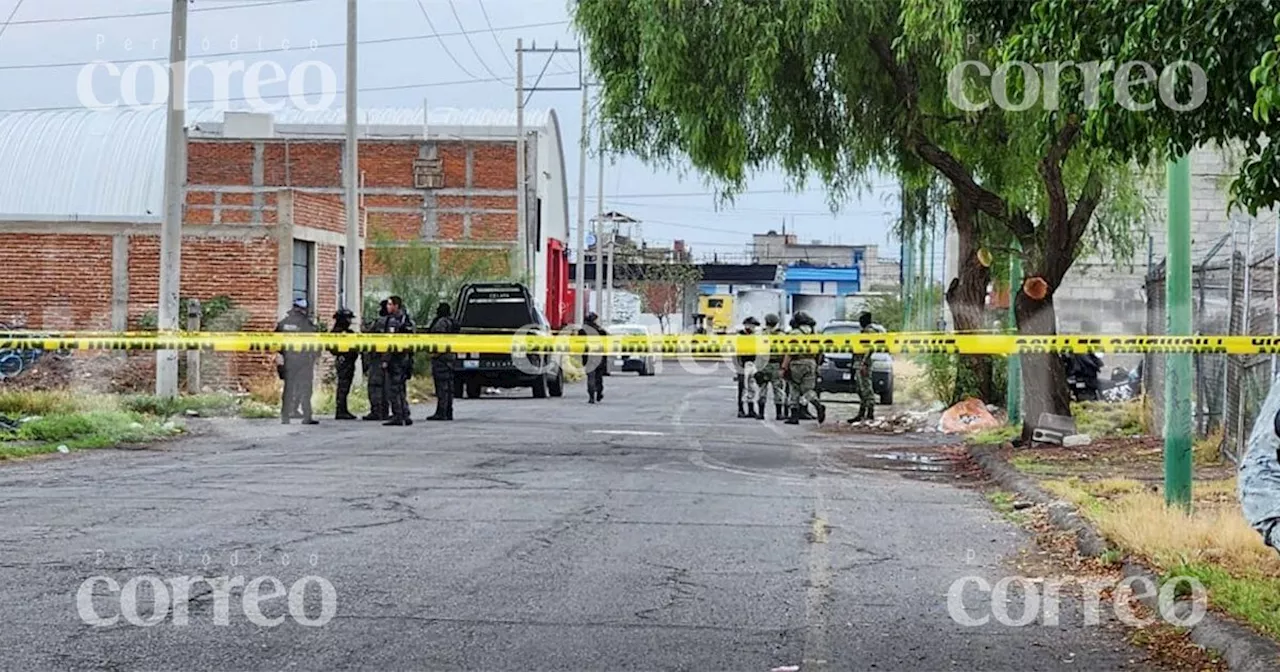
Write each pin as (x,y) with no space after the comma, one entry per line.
(840,90)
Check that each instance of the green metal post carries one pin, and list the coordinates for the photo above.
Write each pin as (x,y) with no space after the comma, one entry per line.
(1178,377)
(1013,382)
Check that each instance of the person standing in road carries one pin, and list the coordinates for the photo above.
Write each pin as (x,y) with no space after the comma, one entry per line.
(748,381)
(802,371)
(595,370)
(862,377)
(442,364)
(298,367)
(772,374)
(344,361)
(398,366)
(375,375)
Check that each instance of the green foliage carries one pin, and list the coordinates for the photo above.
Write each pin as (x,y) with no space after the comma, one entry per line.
(995,436)
(218,313)
(1103,419)
(415,272)
(23,403)
(216,404)
(950,383)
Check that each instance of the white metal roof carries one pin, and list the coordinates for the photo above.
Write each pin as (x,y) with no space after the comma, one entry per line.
(86,164)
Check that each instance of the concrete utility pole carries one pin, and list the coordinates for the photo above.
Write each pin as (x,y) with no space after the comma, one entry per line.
(600,230)
(580,267)
(351,283)
(175,177)
(1013,377)
(522,223)
(1178,381)
(608,274)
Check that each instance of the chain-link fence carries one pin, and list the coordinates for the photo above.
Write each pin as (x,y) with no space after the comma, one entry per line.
(1232,292)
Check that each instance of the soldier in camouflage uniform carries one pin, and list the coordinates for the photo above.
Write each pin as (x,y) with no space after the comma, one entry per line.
(1259,476)
(802,372)
(772,374)
(862,377)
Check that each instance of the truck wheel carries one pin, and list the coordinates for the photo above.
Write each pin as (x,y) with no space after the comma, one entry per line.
(886,397)
(556,386)
(473,389)
(540,387)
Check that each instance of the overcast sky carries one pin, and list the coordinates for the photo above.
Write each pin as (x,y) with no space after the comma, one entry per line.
(44,47)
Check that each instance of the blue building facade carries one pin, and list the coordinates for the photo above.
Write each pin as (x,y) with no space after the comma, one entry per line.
(837,281)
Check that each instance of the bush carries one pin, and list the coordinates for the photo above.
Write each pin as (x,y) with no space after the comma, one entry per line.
(19,403)
(108,426)
(205,404)
(941,371)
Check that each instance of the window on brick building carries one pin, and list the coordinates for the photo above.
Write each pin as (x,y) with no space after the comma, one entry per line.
(303,270)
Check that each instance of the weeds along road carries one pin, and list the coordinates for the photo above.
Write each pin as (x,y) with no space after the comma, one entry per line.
(653,531)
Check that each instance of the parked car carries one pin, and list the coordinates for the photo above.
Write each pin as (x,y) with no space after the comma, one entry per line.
(645,365)
(502,308)
(836,372)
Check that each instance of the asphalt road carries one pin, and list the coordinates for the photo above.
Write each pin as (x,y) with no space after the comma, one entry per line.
(653,531)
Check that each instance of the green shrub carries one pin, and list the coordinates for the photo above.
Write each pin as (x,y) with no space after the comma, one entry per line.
(20,403)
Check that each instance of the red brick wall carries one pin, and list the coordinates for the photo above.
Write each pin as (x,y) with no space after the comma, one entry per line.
(319,211)
(56,281)
(243,269)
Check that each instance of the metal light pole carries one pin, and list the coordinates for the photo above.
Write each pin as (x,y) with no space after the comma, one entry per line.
(1178,381)
(175,171)
(580,267)
(522,223)
(351,283)
(600,230)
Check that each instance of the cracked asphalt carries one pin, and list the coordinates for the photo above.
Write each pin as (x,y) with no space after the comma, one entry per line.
(653,531)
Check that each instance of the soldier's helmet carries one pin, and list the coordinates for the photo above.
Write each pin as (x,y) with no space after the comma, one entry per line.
(771,320)
(343,315)
(803,318)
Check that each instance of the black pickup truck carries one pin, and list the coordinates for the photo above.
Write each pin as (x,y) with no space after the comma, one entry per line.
(502,308)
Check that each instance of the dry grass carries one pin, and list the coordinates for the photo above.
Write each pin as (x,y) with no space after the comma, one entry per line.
(1213,543)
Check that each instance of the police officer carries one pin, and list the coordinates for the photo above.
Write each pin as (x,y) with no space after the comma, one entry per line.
(298,367)
(772,374)
(802,372)
(748,382)
(398,366)
(595,372)
(442,365)
(862,377)
(344,361)
(374,374)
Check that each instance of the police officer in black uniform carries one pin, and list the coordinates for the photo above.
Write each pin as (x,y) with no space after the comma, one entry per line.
(442,364)
(344,364)
(299,367)
(398,366)
(374,374)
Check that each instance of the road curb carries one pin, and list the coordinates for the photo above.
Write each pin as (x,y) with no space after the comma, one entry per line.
(1243,649)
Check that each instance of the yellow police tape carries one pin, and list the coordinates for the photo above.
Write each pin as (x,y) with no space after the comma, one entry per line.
(699,345)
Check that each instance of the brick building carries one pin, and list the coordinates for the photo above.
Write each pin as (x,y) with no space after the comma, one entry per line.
(264,214)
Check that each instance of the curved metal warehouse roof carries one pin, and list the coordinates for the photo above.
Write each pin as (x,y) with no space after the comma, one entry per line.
(102,164)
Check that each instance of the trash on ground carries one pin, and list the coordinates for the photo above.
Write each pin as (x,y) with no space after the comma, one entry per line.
(970,415)
(1075,440)
(63,449)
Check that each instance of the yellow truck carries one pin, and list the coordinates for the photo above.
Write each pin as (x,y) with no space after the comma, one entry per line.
(718,309)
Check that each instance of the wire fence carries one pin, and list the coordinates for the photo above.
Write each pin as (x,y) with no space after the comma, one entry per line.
(1232,292)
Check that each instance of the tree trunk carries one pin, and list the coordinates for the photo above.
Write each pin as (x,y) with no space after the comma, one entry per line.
(967,297)
(1044,382)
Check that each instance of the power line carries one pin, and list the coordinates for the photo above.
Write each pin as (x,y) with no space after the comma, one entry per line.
(337,92)
(757,211)
(161,12)
(696,194)
(484,64)
(9,20)
(447,51)
(494,33)
(327,45)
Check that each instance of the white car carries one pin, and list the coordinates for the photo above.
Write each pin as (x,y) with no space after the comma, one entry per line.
(645,365)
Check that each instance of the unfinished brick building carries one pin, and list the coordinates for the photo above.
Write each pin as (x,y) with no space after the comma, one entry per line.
(264,214)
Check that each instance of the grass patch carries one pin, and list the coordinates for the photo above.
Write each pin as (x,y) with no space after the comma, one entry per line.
(1213,543)
(1029,465)
(81,431)
(219,404)
(1003,503)
(994,436)
(1104,418)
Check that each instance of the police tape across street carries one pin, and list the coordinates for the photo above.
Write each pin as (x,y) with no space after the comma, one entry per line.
(684,344)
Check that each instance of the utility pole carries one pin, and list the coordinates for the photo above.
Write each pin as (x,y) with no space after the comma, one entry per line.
(580,267)
(1013,374)
(600,230)
(1178,381)
(175,178)
(351,283)
(522,222)
(608,274)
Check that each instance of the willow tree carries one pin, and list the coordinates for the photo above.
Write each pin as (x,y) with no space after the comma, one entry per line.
(841,91)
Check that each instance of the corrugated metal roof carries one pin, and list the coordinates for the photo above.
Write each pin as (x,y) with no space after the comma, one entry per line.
(87,163)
